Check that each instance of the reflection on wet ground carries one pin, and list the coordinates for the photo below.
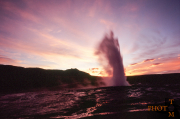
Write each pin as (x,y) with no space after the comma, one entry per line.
(85,102)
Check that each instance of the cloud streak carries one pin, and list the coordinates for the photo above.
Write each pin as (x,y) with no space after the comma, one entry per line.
(63,34)
(6,60)
(155,67)
(147,60)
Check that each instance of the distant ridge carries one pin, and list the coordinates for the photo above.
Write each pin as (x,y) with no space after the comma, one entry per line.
(18,79)
(155,79)
(14,78)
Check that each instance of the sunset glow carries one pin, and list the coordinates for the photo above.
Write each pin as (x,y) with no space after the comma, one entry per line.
(64,34)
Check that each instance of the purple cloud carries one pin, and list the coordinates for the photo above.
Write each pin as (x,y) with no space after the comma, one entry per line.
(157,63)
(147,60)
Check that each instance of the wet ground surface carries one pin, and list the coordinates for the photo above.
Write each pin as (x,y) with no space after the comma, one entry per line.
(107,102)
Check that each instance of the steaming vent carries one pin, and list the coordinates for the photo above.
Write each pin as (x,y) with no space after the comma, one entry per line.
(110,57)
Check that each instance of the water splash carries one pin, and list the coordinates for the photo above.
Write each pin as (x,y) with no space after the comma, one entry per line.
(109,51)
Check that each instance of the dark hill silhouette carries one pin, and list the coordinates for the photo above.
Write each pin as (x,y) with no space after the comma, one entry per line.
(18,79)
(13,78)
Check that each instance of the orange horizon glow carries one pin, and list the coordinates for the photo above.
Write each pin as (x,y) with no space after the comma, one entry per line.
(65,34)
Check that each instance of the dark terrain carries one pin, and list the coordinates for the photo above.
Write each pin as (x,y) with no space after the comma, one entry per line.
(17,100)
(19,79)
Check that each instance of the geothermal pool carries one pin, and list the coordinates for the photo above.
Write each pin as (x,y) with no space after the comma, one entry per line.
(107,102)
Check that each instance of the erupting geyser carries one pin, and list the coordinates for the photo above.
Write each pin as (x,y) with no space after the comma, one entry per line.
(110,50)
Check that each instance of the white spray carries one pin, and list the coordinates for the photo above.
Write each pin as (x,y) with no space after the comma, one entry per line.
(109,50)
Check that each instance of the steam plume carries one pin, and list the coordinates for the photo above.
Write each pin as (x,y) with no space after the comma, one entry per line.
(109,51)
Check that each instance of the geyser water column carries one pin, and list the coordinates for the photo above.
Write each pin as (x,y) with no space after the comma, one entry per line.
(109,50)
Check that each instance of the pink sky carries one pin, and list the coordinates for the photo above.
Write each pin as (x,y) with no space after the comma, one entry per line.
(63,34)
